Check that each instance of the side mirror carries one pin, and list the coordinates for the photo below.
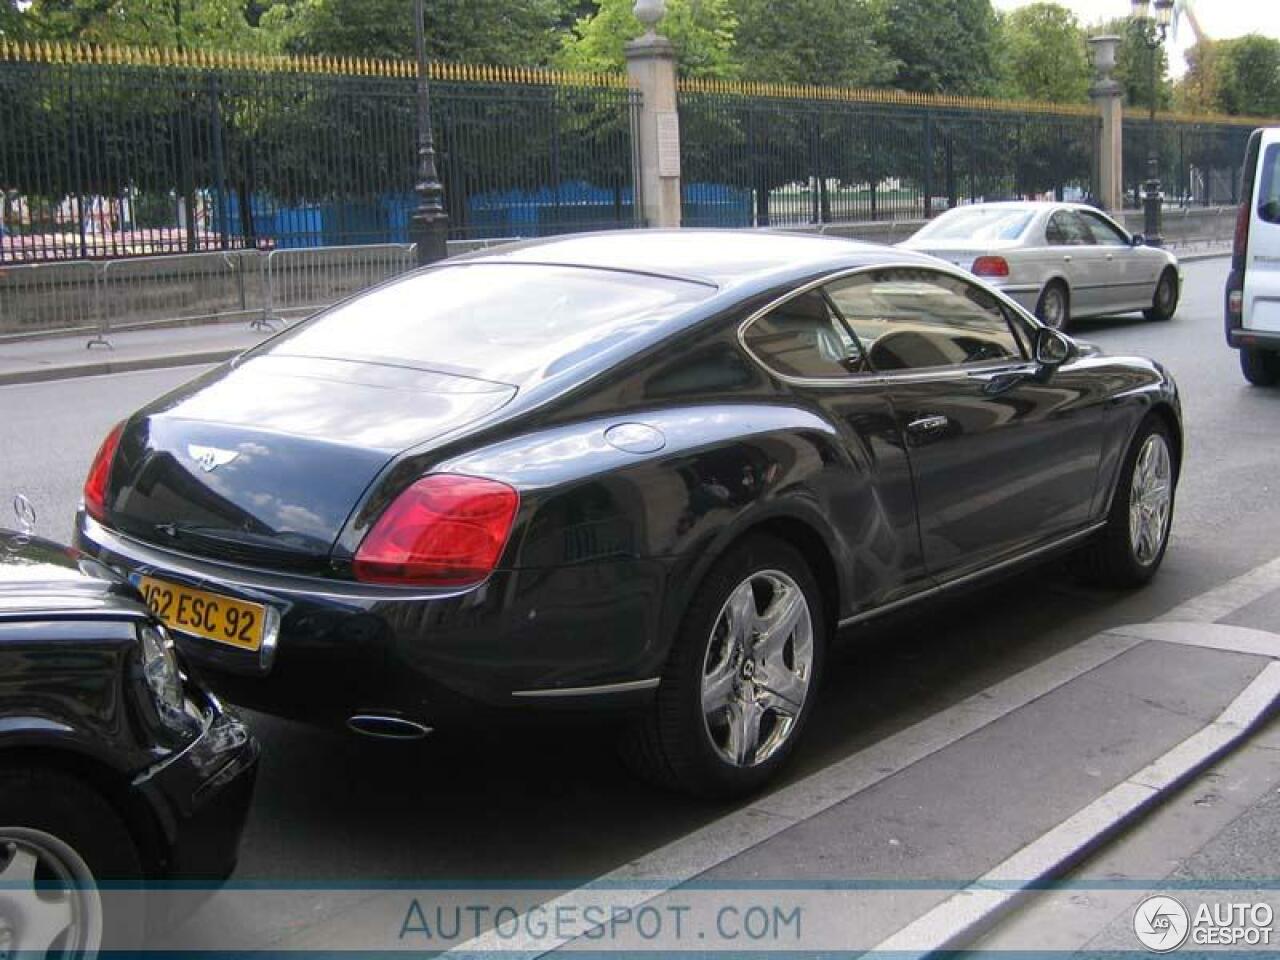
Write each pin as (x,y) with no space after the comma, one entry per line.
(1137,240)
(1052,350)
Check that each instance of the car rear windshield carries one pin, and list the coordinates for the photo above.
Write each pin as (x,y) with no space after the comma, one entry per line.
(978,224)
(496,321)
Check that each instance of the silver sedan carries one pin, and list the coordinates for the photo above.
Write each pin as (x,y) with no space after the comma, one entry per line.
(1059,260)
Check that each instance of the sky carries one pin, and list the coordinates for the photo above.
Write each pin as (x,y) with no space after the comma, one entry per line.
(1219,19)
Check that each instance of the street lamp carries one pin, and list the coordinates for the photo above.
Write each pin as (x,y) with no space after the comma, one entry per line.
(430,221)
(1153,28)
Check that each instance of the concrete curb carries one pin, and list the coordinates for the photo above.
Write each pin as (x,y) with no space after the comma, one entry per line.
(102,367)
(973,911)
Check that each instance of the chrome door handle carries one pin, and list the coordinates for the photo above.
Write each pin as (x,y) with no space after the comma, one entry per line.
(1067,258)
(927,426)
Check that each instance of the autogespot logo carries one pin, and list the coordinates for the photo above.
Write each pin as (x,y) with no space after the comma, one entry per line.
(1161,923)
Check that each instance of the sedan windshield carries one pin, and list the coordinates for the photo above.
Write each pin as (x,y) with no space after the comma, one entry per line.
(978,223)
(500,322)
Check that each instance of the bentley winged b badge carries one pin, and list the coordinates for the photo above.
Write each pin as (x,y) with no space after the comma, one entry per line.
(211,458)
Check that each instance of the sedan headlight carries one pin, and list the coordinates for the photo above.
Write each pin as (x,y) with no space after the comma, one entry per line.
(160,669)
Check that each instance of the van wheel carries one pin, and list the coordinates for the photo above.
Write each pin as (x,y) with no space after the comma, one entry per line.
(742,677)
(1165,302)
(1260,367)
(1054,308)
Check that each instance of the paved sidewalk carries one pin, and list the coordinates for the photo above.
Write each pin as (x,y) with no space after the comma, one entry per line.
(57,358)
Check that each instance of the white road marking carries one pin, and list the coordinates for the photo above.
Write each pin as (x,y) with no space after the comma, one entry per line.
(1222,601)
(963,915)
(648,877)
(1212,636)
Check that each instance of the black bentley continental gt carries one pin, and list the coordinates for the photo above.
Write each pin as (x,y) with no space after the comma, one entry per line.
(642,471)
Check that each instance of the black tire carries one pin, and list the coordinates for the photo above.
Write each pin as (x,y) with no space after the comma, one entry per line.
(76,814)
(1111,558)
(1260,367)
(1164,303)
(671,745)
(1054,306)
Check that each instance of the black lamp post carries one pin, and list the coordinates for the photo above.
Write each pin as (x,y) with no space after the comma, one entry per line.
(429,225)
(1153,28)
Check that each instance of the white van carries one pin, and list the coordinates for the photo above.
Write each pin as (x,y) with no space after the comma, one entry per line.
(1253,288)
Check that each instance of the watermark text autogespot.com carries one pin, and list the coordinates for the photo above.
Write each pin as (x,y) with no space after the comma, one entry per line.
(668,923)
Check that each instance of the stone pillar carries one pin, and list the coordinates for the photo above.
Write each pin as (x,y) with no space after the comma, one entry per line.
(651,65)
(1108,95)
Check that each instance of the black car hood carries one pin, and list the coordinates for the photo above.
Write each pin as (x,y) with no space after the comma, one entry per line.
(39,576)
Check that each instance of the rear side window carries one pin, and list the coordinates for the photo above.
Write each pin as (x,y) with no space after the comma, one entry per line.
(803,338)
(1269,187)
(503,322)
(910,319)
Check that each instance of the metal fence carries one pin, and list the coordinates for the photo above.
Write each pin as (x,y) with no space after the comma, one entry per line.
(116,155)
(1199,162)
(760,157)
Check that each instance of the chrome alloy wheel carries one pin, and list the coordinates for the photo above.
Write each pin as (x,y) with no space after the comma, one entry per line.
(1150,498)
(49,904)
(1166,294)
(757,669)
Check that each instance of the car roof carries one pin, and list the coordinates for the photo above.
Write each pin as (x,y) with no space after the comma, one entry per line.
(723,258)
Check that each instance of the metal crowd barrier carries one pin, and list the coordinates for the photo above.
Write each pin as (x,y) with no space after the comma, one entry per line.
(42,298)
(102,298)
(300,282)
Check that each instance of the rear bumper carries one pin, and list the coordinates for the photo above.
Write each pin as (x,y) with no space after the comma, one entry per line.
(1025,295)
(1243,337)
(567,638)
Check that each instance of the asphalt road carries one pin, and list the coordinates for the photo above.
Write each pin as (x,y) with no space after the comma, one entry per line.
(553,805)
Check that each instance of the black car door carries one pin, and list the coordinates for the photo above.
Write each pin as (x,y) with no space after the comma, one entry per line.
(1002,462)
(869,499)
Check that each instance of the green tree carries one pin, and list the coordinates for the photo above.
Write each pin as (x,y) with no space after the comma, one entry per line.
(828,42)
(1197,91)
(702,32)
(184,24)
(942,46)
(512,32)
(1248,75)
(1044,54)
(1134,59)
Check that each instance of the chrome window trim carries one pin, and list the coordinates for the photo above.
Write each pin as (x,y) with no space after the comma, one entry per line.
(627,686)
(881,379)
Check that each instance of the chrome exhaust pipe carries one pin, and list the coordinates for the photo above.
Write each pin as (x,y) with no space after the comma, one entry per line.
(384,727)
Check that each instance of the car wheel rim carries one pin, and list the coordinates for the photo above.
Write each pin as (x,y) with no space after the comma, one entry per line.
(757,669)
(1164,296)
(1053,308)
(1150,499)
(49,903)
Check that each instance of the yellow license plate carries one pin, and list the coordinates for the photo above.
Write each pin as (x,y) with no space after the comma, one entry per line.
(205,614)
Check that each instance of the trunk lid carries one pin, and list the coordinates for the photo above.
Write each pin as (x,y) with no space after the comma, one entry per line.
(262,462)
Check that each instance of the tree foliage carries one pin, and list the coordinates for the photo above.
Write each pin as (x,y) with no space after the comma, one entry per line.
(941,46)
(829,42)
(1044,54)
(183,24)
(702,32)
(1247,74)
(511,32)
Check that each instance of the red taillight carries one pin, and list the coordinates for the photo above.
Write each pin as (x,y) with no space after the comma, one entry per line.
(95,485)
(991,267)
(1241,242)
(445,530)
